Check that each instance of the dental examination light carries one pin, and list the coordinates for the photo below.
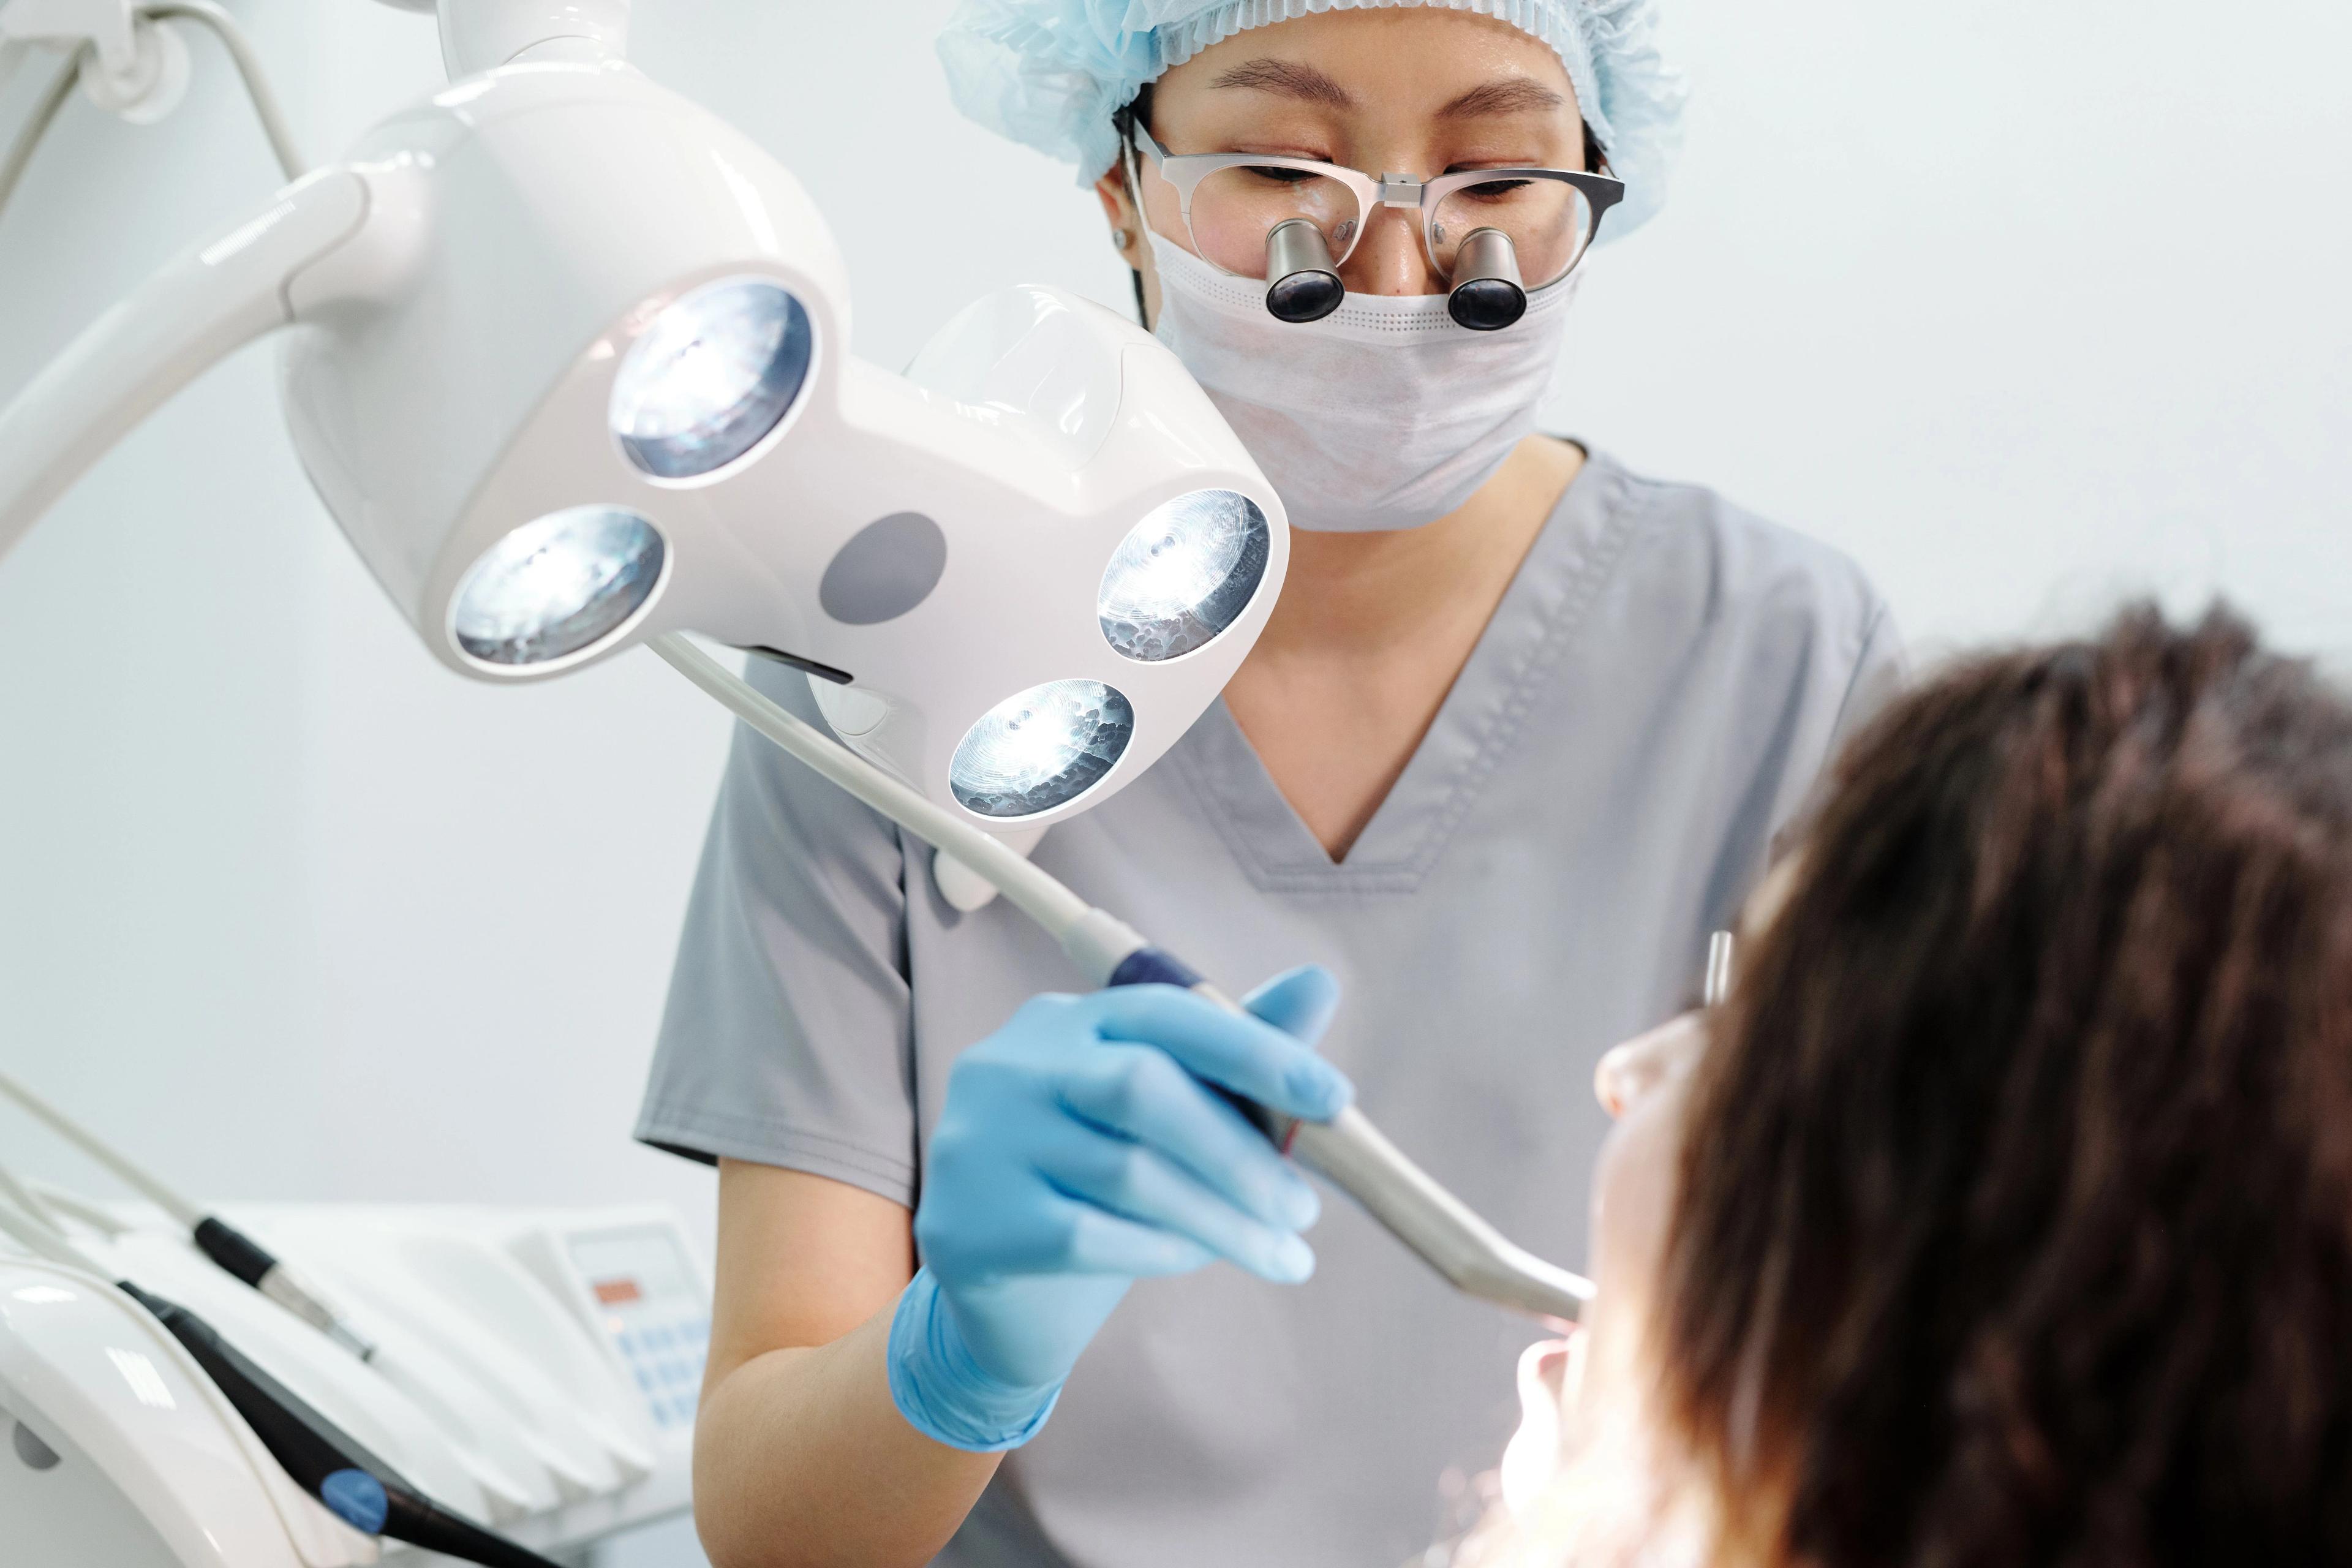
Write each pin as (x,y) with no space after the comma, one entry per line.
(566,358)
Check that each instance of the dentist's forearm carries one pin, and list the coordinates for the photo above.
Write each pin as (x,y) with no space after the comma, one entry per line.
(800,1460)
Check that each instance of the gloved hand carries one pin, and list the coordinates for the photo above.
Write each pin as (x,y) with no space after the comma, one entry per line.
(1077,1151)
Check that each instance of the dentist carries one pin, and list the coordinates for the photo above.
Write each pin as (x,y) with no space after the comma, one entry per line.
(1520,733)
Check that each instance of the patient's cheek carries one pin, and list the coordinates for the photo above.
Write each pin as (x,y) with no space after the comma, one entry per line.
(1579,1465)
(1565,1385)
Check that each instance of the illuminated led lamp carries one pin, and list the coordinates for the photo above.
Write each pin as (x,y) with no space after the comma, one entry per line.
(1183,574)
(717,370)
(557,586)
(1042,749)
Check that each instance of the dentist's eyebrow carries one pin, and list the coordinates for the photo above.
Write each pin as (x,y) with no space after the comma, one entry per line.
(1289,78)
(1505,95)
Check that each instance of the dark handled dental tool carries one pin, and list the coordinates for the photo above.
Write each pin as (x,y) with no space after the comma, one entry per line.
(1353,1155)
(1347,1151)
(229,1247)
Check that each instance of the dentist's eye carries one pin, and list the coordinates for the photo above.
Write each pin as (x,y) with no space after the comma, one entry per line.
(1493,190)
(1278,177)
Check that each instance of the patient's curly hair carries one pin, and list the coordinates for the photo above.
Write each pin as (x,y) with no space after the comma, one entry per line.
(2015,1217)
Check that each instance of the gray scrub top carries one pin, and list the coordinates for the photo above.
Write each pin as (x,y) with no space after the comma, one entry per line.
(1651,703)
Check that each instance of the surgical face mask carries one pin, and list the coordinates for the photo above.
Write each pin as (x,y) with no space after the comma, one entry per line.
(1383,415)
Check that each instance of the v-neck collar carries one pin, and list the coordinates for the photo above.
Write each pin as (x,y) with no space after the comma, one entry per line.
(1476,725)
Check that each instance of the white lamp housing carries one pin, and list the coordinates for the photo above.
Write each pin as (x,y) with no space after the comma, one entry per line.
(570,368)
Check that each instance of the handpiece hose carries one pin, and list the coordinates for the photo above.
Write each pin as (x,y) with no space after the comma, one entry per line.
(1347,1151)
(1354,1157)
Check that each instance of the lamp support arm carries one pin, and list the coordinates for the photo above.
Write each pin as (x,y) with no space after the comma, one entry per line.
(201,308)
(107,26)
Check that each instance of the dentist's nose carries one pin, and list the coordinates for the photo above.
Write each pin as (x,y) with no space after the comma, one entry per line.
(1389,258)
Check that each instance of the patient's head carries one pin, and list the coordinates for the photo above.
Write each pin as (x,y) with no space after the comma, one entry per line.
(2010,1209)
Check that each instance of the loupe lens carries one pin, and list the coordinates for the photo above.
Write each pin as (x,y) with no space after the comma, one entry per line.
(557,586)
(1042,749)
(1183,574)
(714,374)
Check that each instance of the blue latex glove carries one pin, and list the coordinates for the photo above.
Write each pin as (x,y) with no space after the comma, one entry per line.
(1078,1152)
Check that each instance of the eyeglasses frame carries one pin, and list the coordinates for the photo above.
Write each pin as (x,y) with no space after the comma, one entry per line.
(1185,171)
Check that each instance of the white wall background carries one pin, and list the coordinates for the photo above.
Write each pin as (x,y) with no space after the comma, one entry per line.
(2027,305)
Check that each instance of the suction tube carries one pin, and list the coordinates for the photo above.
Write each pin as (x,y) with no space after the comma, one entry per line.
(1349,1152)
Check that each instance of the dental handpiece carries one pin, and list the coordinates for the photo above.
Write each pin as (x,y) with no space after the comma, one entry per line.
(1353,1155)
(1347,1151)
(228,1248)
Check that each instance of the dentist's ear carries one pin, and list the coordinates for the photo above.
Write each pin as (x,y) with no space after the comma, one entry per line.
(1119,212)
(1126,237)
(1631,1071)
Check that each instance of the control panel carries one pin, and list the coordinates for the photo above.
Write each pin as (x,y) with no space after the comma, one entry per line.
(650,1306)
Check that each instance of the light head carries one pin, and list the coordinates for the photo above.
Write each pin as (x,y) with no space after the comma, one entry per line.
(569,367)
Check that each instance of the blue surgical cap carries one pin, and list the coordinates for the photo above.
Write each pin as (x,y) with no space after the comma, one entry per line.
(1052,73)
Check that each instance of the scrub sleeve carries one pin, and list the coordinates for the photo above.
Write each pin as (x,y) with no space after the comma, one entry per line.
(1650,708)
